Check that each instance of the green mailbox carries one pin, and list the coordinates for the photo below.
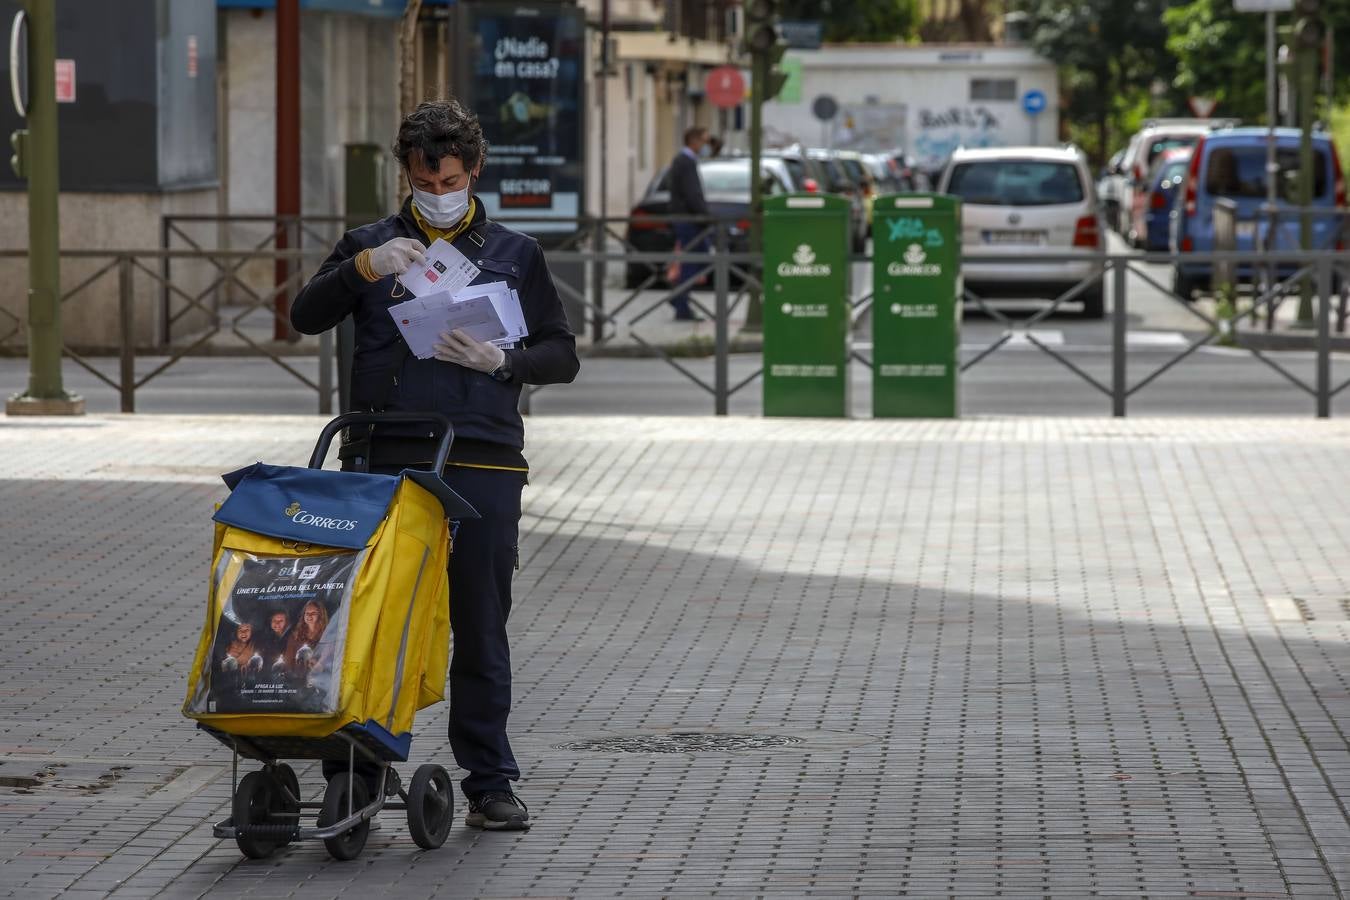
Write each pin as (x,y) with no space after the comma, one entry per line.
(806,308)
(916,305)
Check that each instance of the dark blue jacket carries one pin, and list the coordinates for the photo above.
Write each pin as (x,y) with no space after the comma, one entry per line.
(686,186)
(483,411)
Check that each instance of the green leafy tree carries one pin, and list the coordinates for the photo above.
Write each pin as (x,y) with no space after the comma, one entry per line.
(1110,53)
(858,20)
(1221,53)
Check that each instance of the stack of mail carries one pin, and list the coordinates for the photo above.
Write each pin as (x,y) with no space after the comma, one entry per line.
(443,300)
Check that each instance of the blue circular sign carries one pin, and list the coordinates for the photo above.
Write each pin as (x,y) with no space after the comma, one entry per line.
(1033,102)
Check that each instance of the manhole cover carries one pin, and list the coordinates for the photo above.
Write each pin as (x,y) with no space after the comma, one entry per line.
(682,742)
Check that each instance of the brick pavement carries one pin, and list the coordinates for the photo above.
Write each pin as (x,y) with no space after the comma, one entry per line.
(1018,658)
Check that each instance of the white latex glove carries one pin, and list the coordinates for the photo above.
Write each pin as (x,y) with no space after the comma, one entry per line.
(394,256)
(458,348)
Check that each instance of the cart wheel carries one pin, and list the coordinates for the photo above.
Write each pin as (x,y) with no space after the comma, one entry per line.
(285,777)
(431,806)
(256,798)
(349,844)
(289,795)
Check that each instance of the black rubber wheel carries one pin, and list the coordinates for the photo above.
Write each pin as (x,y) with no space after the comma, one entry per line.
(1094,303)
(431,806)
(290,795)
(1183,285)
(255,799)
(349,844)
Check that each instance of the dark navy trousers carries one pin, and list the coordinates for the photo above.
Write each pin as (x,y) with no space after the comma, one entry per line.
(483,561)
(687,234)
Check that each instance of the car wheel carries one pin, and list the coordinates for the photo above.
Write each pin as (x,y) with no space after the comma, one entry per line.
(1183,285)
(1094,303)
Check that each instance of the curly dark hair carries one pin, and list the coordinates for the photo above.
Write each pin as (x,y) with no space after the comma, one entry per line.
(440,128)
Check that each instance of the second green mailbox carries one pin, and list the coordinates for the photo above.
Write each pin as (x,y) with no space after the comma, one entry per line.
(916,305)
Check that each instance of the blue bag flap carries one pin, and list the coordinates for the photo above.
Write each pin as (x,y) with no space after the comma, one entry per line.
(314,506)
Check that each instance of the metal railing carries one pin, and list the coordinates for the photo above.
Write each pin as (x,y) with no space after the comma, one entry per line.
(732,275)
(127,265)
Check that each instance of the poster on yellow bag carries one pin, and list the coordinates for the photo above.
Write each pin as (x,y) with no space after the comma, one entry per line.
(280,634)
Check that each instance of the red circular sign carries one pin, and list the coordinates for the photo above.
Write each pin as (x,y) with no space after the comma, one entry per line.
(725,87)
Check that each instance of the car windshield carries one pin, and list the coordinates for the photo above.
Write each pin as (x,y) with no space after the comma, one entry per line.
(1163,143)
(1171,174)
(726,177)
(1241,172)
(855,170)
(1009,182)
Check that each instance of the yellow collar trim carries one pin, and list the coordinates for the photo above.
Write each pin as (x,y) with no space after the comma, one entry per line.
(445,234)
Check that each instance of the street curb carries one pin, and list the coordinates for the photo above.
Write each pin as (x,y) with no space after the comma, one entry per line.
(1262,340)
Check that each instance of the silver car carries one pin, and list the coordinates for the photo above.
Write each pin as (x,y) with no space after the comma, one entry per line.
(1028,201)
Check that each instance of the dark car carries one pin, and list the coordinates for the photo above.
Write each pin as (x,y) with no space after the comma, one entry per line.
(1152,209)
(726,186)
(807,175)
(841,181)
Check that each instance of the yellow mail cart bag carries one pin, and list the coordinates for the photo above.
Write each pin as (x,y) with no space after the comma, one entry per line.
(327,609)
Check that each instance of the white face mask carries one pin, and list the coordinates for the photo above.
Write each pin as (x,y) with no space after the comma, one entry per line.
(441,210)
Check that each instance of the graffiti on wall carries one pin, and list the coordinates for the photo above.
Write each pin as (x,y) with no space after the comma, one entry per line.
(938,132)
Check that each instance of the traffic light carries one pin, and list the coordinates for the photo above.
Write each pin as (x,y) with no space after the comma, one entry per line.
(764,46)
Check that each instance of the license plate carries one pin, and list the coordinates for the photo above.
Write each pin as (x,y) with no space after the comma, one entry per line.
(1014,237)
(1246,229)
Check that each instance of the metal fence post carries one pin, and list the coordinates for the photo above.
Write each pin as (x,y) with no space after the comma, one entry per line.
(1324,338)
(720,286)
(1119,385)
(165,304)
(598,266)
(127,314)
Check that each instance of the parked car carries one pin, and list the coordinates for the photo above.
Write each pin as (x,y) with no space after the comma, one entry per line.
(806,175)
(842,182)
(1027,200)
(1156,137)
(726,186)
(1109,186)
(1232,164)
(1150,218)
(885,174)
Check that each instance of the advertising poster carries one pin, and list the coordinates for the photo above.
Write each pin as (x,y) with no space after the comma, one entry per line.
(279,640)
(525,81)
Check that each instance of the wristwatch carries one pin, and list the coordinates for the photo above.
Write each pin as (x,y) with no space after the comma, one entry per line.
(503,372)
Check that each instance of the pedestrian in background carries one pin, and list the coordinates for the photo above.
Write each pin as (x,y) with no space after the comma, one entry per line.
(441,151)
(686,199)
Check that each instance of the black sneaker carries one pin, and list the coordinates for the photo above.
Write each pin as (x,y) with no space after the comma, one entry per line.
(497,811)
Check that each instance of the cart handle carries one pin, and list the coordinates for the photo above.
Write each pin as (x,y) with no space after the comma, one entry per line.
(382,418)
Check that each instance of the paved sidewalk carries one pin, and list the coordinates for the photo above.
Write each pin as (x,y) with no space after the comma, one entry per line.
(1018,658)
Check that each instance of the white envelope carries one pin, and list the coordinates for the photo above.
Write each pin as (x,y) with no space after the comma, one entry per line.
(444,269)
(422,320)
(505,301)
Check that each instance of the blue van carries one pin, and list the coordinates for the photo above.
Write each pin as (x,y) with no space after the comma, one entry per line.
(1232,164)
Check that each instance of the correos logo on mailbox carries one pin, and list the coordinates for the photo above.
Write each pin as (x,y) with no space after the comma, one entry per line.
(803,264)
(915,264)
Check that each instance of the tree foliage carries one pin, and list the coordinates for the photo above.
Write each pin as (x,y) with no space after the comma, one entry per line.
(1221,53)
(1110,53)
(848,21)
